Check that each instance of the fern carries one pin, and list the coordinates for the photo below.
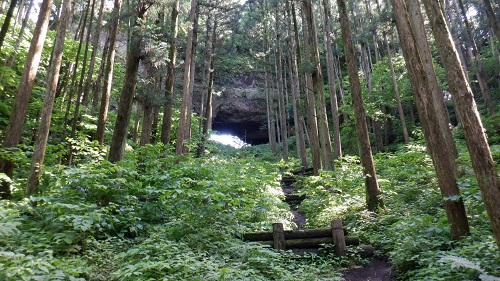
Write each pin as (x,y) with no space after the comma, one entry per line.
(463,262)
(9,222)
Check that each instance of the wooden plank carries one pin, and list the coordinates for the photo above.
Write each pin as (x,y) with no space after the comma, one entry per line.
(278,236)
(291,234)
(312,242)
(338,238)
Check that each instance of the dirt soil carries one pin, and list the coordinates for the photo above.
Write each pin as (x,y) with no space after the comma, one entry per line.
(377,270)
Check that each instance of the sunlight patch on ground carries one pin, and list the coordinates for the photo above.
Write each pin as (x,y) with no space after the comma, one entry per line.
(228,140)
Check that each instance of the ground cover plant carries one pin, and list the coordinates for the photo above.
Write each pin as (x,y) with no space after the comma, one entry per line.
(412,230)
(165,218)
(160,220)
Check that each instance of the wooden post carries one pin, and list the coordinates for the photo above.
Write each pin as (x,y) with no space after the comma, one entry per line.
(278,236)
(338,238)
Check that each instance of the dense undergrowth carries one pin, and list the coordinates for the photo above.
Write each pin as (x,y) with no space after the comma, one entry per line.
(159,217)
(412,231)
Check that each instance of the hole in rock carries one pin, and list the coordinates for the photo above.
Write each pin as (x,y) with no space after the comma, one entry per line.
(230,140)
(249,132)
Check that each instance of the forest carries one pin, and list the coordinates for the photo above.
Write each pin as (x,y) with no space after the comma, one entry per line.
(379,114)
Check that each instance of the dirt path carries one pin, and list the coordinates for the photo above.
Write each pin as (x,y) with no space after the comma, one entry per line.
(377,270)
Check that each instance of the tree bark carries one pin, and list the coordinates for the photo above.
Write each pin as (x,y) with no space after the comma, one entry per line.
(295,88)
(147,123)
(280,89)
(298,84)
(331,80)
(6,22)
(97,87)
(402,119)
(169,84)
(271,125)
(437,97)
(24,24)
(117,148)
(183,119)
(312,119)
(483,86)
(108,73)
(95,45)
(18,114)
(319,97)
(373,200)
(78,101)
(443,158)
(482,161)
(74,86)
(50,92)
(207,116)
(494,23)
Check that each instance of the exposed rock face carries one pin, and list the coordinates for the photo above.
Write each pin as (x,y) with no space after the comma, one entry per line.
(240,110)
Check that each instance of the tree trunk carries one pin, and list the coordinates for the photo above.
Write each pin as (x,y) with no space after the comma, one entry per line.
(169,84)
(24,24)
(6,22)
(50,92)
(78,101)
(482,161)
(137,121)
(319,97)
(18,114)
(331,80)
(207,116)
(402,119)
(95,45)
(373,200)
(97,87)
(437,97)
(271,128)
(367,69)
(477,60)
(296,94)
(189,114)
(312,120)
(108,73)
(443,158)
(74,87)
(183,119)
(280,89)
(147,123)
(494,23)
(117,148)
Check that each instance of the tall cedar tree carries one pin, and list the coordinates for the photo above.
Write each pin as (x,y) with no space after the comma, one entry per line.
(331,79)
(6,22)
(108,72)
(117,148)
(373,200)
(169,84)
(319,96)
(442,155)
(184,125)
(50,93)
(20,108)
(312,119)
(475,137)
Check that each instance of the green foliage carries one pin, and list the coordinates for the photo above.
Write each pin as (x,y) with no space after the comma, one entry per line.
(154,218)
(412,231)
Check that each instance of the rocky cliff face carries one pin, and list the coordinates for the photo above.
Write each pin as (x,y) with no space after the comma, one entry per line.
(240,110)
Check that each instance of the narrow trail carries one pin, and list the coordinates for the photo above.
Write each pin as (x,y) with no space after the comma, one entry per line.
(376,270)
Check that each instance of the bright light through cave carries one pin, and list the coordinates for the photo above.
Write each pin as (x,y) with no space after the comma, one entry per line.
(228,140)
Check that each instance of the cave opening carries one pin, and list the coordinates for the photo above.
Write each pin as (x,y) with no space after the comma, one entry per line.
(250,132)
